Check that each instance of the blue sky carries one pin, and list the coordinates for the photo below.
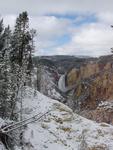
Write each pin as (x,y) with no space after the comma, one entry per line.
(66,27)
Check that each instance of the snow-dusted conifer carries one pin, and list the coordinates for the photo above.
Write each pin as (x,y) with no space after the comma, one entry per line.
(21,55)
(5,80)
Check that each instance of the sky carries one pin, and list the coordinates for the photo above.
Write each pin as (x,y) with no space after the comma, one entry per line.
(66,27)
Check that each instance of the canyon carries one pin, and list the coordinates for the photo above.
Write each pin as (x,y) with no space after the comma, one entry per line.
(91,82)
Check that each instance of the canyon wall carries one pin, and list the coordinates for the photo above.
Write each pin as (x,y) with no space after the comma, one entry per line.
(94,85)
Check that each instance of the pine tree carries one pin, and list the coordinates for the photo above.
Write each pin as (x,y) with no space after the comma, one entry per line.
(21,55)
(21,38)
(30,61)
(1,34)
(21,59)
(6,41)
(32,48)
(15,63)
(5,90)
(1,70)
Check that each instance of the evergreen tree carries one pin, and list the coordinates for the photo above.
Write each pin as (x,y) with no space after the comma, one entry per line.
(21,59)
(5,89)
(32,49)
(15,63)
(21,38)
(1,34)
(6,41)
(21,54)
(30,60)
(1,70)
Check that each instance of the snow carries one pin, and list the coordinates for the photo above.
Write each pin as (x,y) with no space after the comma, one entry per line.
(1,122)
(48,85)
(106,104)
(2,147)
(61,129)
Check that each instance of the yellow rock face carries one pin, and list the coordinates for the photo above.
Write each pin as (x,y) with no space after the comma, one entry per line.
(86,71)
(98,82)
(73,76)
(94,83)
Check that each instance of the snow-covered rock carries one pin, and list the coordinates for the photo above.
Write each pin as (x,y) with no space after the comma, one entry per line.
(2,146)
(61,129)
(48,82)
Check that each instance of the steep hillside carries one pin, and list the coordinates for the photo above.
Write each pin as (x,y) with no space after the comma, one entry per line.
(60,128)
(47,79)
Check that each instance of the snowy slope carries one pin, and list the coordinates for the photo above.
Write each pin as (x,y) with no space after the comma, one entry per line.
(61,129)
(47,82)
(48,85)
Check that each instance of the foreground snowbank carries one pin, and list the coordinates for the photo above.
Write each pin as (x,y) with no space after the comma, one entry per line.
(61,129)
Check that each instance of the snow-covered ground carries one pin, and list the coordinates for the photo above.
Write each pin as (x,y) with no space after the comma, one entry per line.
(106,104)
(61,129)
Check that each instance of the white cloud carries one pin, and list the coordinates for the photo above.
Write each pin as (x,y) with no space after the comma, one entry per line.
(92,39)
(88,39)
(105,17)
(50,27)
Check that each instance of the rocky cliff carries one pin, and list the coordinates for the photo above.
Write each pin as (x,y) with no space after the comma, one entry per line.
(93,85)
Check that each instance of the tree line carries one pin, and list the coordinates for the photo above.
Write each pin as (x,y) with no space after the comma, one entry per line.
(16,50)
